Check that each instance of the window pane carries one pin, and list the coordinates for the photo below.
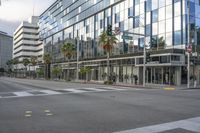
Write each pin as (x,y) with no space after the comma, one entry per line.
(162,13)
(161,3)
(155,16)
(155,29)
(177,23)
(177,9)
(168,39)
(177,37)
(168,11)
(169,25)
(154,4)
(161,27)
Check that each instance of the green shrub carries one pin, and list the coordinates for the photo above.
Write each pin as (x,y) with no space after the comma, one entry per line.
(109,82)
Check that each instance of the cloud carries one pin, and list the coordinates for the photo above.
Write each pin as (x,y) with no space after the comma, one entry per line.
(12,12)
(8,26)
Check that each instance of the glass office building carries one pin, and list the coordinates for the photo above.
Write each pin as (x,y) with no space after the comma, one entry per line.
(167,27)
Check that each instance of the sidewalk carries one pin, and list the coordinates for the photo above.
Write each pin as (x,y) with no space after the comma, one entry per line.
(148,86)
(62,84)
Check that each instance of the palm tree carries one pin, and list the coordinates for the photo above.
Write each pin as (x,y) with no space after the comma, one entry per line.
(26,62)
(47,61)
(161,43)
(68,51)
(108,43)
(34,62)
(158,43)
(15,63)
(9,64)
(85,71)
(56,71)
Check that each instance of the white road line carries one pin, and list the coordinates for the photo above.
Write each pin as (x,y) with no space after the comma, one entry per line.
(192,124)
(22,94)
(50,92)
(75,90)
(94,89)
(112,88)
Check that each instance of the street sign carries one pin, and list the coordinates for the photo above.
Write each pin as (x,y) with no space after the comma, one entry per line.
(189,48)
(126,37)
(117,30)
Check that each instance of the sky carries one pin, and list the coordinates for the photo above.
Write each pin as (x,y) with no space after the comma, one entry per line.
(13,12)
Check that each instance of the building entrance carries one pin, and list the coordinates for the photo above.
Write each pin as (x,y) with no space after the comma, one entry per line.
(161,75)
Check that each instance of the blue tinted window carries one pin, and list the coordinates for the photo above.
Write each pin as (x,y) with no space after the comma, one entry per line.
(154,16)
(137,2)
(130,11)
(154,41)
(177,37)
(148,6)
(136,22)
(141,42)
(101,24)
(148,30)
(117,18)
(121,25)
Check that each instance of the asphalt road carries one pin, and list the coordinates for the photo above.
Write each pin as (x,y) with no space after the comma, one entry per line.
(36,106)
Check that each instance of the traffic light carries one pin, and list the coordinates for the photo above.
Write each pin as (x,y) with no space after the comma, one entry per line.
(109,30)
(148,58)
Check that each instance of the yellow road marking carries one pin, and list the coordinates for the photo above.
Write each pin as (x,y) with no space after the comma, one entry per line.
(169,89)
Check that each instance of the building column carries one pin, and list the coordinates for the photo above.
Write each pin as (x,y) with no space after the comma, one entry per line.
(178,76)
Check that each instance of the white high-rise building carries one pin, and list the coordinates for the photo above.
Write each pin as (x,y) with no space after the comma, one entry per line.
(26,43)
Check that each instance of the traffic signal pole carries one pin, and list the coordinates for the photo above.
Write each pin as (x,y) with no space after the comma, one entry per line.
(144,61)
(188,67)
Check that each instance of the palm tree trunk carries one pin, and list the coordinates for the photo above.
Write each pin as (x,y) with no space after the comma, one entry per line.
(108,66)
(68,70)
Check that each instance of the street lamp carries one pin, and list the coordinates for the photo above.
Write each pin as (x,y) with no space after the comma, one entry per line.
(144,49)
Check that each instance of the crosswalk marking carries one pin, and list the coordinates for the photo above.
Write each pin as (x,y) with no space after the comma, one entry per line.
(23,94)
(75,90)
(55,92)
(192,124)
(50,92)
(94,89)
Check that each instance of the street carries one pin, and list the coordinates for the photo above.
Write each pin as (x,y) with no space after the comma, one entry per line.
(39,106)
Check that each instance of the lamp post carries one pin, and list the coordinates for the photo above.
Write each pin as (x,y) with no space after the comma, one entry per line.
(144,49)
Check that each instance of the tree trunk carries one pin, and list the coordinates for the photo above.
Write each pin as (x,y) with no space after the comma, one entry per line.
(108,66)
(68,71)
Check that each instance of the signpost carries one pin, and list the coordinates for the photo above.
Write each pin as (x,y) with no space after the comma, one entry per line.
(189,51)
